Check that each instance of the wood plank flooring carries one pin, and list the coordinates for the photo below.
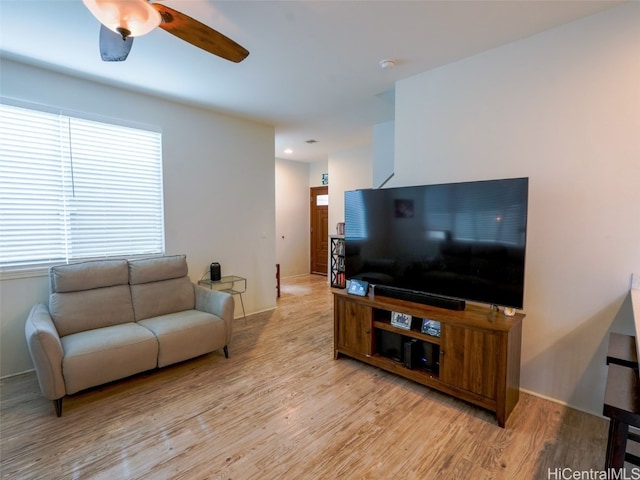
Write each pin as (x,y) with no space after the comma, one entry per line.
(282,408)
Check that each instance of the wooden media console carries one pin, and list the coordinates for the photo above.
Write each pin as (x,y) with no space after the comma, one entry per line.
(476,355)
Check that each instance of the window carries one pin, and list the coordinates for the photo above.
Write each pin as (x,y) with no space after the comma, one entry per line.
(72,188)
(322,200)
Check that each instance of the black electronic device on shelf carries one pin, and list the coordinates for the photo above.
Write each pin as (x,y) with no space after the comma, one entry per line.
(420,297)
(390,345)
(421,355)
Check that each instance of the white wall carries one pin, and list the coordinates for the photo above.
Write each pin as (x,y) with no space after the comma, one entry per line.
(219,194)
(563,108)
(348,170)
(316,169)
(383,152)
(292,217)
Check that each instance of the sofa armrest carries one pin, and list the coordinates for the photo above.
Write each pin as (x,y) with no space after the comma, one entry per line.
(217,303)
(46,351)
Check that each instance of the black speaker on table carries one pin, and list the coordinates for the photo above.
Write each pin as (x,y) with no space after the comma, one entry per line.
(215,271)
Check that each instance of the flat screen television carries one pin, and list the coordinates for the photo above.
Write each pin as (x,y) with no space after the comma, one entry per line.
(462,240)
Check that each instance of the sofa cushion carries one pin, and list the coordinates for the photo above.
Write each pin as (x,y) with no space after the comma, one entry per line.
(157,268)
(88,275)
(185,335)
(89,295)
(161,298)
(102,355)
(160,286)
(74,312)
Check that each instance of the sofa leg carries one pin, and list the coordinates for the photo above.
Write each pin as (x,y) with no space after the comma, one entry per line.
(226,351)
(57,403)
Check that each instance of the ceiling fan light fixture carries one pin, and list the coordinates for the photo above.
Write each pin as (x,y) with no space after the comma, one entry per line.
(138,17)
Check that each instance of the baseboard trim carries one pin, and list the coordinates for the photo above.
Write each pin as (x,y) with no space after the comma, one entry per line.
(17,374)
(256,312)
(560,402)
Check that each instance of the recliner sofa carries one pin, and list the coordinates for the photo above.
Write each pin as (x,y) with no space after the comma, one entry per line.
(111,319)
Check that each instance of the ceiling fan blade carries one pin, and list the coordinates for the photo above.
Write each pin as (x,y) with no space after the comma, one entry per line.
(112,47)
(199,35)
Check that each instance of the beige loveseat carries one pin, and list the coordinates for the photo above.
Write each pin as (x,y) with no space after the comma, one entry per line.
(110,319)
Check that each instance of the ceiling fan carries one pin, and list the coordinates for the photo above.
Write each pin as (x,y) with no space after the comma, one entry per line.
(122,20)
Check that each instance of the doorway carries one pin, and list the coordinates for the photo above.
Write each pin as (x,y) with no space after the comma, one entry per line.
(319,232)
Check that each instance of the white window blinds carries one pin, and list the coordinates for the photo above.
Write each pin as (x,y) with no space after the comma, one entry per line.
(71,188)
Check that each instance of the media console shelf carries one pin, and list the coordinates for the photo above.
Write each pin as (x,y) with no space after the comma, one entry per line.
(476,356)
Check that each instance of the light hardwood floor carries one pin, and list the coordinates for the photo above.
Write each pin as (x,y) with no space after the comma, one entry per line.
(282,408)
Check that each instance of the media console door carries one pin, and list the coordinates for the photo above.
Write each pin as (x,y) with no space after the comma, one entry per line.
(352,327)
(469,359)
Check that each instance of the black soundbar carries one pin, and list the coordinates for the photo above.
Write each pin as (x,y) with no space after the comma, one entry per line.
(419,297)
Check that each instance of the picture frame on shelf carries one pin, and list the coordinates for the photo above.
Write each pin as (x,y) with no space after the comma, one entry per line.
(358,287)
(430,327)
(401,320)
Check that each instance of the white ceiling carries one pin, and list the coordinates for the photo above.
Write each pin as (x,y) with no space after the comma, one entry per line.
(313,68)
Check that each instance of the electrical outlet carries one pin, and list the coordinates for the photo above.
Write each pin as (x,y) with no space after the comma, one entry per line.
(635,280)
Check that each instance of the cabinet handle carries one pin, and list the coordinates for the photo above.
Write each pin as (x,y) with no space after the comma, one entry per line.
(441,352)
(367,331)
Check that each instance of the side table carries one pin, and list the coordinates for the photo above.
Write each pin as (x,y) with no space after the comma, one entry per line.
(231,284)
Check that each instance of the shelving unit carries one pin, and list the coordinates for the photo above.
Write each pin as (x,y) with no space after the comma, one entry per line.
(478,350)
(337,261)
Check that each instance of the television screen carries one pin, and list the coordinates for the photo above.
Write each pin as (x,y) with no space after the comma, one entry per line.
(459,240)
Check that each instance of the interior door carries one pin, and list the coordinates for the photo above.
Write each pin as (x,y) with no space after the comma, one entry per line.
(319,230)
